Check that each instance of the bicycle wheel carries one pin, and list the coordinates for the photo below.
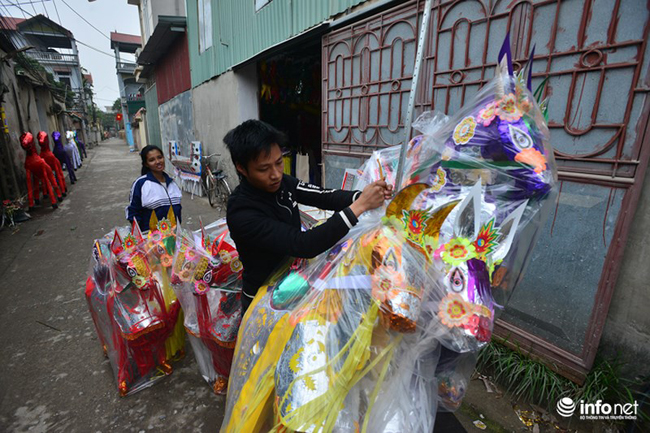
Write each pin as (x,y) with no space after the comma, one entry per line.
(211,190)
(222,192)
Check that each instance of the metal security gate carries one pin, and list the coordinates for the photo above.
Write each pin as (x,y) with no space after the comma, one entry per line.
(595,53)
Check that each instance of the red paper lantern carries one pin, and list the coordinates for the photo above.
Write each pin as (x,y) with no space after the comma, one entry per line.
(118,117)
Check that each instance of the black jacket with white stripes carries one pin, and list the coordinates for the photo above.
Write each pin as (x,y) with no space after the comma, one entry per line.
(266,226)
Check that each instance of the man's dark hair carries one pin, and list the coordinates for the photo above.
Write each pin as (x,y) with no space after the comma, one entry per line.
(251,139)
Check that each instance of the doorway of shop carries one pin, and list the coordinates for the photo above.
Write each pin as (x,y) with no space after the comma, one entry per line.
(290,100)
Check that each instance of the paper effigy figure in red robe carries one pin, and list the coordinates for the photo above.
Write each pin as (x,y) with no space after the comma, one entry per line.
(52,161)
(36,166)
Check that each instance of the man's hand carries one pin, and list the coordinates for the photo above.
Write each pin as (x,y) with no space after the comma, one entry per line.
(372,197)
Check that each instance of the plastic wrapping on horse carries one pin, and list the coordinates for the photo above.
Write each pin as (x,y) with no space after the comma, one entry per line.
(161,246)
(134,315)
(206,277)
(378,332)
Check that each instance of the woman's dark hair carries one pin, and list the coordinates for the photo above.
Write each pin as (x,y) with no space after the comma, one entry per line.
(252,138)
(143,155)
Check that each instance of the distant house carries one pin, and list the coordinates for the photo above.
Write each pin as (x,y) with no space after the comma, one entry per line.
(56,50)
(164,68)
(131,92)
(29,103)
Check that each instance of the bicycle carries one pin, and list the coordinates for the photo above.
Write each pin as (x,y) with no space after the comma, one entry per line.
(216,185)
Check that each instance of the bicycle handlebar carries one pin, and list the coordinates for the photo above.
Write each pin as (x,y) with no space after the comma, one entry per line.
(210,156)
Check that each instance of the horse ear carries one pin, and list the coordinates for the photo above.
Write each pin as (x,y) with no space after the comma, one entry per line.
(529,70)
(404,199)
(507,232)
(171,217)
(153,221)
(434,223)
(116,244)
(135,231)
(468,219)
(506,54)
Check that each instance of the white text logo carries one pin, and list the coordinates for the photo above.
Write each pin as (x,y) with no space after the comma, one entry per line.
(566,407)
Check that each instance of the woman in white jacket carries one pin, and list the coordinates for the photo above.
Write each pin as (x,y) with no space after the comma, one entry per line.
(154,191)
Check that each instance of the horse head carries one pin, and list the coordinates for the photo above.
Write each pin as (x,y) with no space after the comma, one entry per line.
(466,258)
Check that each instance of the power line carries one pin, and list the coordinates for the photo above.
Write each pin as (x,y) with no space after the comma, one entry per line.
(87,22)
(21,9)
(96,49)
(47,14)
(57,12)
(30,2)
(73,38)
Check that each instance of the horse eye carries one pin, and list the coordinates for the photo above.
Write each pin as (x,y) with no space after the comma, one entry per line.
(131,271)
(457,280)
(207,277)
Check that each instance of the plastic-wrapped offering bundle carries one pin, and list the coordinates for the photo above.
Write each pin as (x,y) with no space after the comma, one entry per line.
(376,333)
(161,246)
(207,280)
(133,308)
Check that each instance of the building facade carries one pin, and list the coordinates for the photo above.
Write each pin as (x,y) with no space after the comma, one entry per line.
(255,60)
(131,92)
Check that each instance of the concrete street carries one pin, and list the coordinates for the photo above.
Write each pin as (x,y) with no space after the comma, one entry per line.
(53,375)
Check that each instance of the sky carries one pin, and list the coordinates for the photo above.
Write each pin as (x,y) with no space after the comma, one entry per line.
(106,15)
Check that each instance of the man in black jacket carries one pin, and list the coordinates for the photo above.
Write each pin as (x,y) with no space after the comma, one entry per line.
(263,215)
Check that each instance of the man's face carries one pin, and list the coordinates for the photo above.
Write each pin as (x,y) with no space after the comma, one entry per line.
(265,172)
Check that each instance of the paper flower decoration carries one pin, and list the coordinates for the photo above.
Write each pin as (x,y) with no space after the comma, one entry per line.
(236,265)
(487,115)
(139,281)
(166,260)
(472,324)
(457,251)
(201,288)
(464,131)
(485,242)
(164,226)
(129,242)
(191,255)
(225,256)
(414,222)
(185,275)
(155,236)
(454,311)
(532,157)
(507,109)
(439,180)
(384,282)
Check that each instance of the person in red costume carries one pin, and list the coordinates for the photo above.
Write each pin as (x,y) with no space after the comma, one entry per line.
(52,161)
(35,165)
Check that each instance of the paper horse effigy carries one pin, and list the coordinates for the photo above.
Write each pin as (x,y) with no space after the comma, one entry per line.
(375,334)
(206,277)
(133,306)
